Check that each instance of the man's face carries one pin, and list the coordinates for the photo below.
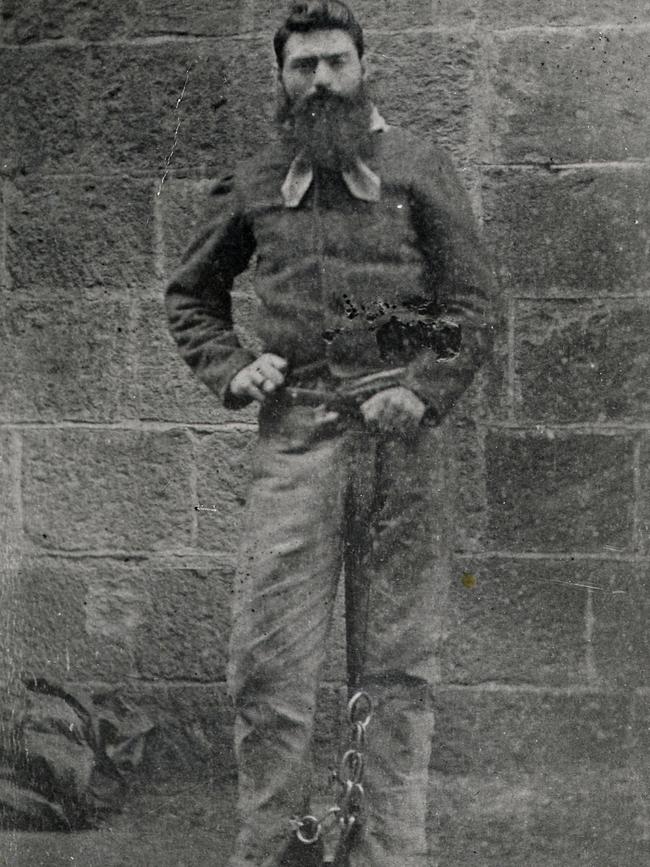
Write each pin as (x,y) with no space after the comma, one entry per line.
(320,60)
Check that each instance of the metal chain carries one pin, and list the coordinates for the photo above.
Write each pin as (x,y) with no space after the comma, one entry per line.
(348,811)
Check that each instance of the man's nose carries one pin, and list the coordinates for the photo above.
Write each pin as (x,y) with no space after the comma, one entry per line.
(322,76)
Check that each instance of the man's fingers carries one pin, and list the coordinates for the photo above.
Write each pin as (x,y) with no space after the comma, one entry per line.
(253,391)
(269,372)
(276,361)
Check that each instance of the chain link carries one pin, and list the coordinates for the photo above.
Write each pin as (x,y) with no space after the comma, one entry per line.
(348,811)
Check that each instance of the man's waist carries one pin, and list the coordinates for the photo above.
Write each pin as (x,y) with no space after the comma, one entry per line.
(315,384)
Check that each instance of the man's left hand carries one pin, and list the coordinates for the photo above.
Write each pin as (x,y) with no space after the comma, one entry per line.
(393,411)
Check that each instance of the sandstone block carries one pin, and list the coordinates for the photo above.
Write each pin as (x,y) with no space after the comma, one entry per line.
(83,236)
(569,96)
(41,103)
(59,371)
(184,635)
(539,818)
(508,732)
(583,361)
(467,490)
(198,18)
(66,623)
(181,208)
(10,529)
(644,503)
(32,20)
(517,622)
(424,81)
(620,640)
(177,105)
(512,13)
(559,492)
(575,232)
(99,489)
(223,464)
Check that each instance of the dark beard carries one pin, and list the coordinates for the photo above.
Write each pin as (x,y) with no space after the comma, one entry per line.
(330,130)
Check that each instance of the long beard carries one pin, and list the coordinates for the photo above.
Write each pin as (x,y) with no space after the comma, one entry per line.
(330,130)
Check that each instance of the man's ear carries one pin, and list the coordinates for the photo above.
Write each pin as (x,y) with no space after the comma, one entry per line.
(364,68)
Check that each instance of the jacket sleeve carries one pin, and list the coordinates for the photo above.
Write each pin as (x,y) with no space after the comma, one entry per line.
(198,295)
(457,284)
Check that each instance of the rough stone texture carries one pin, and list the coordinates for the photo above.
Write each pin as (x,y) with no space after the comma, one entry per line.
(186,104)
(70,642)
(469,496)
(583,362)
(41,102)
(576,232)
(541,818)
(559,492)
(570,96)
(518,621)
(59,372)
(424,81)
(620,639)
(185,633)
(32,20)
(644,488)
(509,732)
(200,18)
(223,467)
(180,207)
(512,13)
(98,489)
(114,116)
(9,486)
(87,236)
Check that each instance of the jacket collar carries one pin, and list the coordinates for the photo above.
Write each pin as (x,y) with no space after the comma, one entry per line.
(360,180)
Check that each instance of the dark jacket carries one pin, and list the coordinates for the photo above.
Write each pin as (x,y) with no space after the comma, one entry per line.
(359,286)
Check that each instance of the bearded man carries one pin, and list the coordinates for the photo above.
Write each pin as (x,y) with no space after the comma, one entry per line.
(372,317)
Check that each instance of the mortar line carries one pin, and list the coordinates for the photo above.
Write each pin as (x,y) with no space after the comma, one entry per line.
(607,555)
(4,231)
(528,688)
(130,425)
(196,173)
(134,556)
(584,428)
(582,299)
(194,491)
(158,234)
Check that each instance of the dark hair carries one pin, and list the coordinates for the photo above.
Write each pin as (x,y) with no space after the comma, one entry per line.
(317,15)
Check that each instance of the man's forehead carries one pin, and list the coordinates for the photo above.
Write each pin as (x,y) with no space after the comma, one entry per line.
(318,43)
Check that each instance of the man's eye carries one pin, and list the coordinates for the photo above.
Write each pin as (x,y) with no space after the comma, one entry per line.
(337,62)
(304,65)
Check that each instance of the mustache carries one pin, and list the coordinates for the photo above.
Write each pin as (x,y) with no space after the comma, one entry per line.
(322,102)
(330,129)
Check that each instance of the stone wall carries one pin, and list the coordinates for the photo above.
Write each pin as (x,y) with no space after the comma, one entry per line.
(114,116)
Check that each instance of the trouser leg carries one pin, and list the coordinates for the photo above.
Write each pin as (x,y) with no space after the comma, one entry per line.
(399,574)
(285,584)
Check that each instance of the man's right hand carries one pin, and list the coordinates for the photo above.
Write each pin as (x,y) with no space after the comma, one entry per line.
(259,379)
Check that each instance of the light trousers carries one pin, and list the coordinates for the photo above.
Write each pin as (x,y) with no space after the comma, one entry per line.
(326,499)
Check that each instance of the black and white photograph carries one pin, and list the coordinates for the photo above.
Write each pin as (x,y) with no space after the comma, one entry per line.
(324,433)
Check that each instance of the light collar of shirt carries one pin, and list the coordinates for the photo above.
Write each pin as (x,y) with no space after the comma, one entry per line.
(360,180)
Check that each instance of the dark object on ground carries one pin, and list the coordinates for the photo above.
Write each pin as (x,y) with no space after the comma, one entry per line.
(68,757)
